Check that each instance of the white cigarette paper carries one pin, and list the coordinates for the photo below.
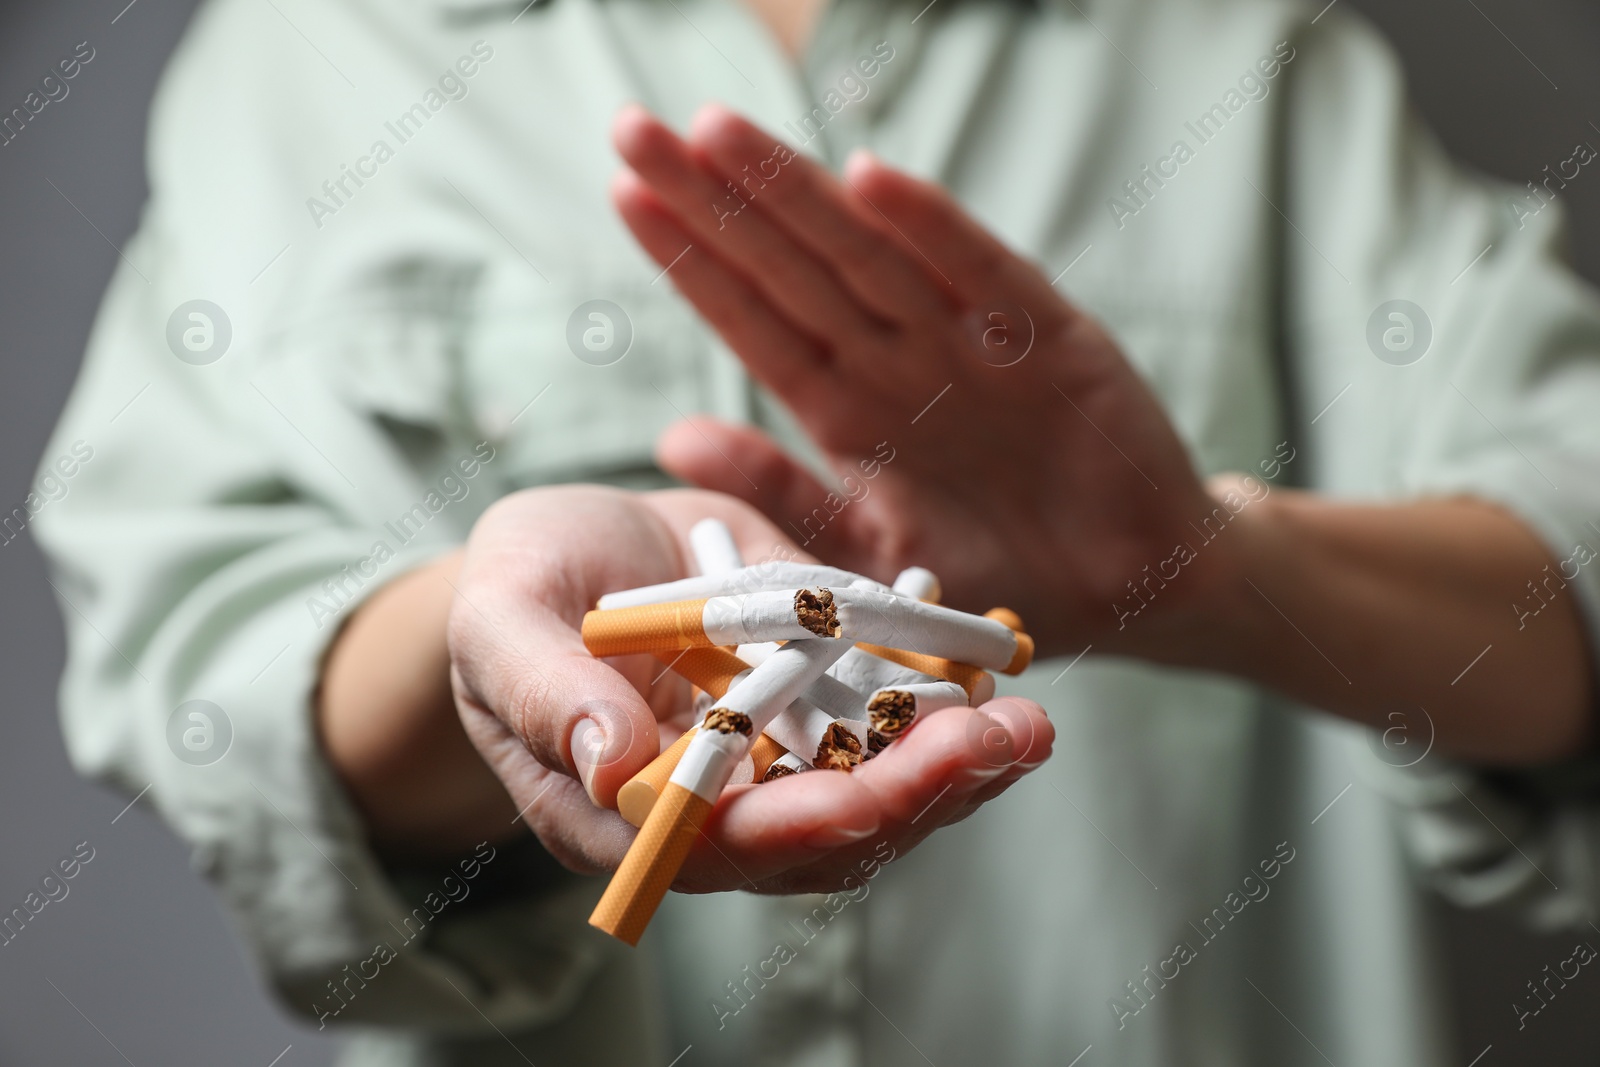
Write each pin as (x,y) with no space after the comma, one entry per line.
(869,616)
(828,693)
(709,762)
(752,618)
(756,578)
(863,673)
(811,733)
(723,739)
(714,549)
(776,683)
(895,709)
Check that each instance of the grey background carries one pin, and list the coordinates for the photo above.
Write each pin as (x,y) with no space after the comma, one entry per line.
(138,964)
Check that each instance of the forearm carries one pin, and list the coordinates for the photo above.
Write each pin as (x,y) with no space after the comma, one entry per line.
(1368,610)
(389,726)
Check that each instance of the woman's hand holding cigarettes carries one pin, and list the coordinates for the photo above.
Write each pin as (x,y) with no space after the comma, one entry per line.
(881,313)
(564,731)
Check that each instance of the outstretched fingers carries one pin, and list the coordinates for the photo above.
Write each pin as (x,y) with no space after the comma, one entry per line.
(816,211)
(714,210)
(981,270)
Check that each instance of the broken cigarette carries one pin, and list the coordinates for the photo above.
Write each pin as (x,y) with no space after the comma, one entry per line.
(858,613)
(798,726)
(713,546)
(919,583)
(830,743)
(866,615)
(639,794)
(786,764)
(763,754)
(749,618)
(775,575)
(894,710)
(741,715)
(712,670)
(978,683)
(657,854)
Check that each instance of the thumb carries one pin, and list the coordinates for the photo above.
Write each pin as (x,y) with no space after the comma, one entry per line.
(742,462)
(535,563)
(572,713)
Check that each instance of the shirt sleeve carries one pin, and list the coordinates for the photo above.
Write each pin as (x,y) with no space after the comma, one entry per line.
(1440,345)
(234,485)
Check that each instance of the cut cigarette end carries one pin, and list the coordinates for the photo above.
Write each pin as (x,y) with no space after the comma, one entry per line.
(785,765)
(839,750)
(764,753)
(651,865)
(876,742)
(647,628)
(815,612)
(892,710)
(638,795)
(728,721)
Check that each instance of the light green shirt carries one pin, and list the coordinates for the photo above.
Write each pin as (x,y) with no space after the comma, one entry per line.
(399,204)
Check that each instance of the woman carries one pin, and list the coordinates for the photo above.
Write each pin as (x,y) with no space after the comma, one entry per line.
(428,303)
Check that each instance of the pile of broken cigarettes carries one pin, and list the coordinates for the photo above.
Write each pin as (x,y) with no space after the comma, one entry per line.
(802,667)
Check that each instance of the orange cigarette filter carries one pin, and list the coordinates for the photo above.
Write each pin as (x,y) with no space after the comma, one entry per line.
(712,669)
(764,753)
(646,628)
(652,862)
(1011,619)
(965,675)
(638,795)
(1013,622)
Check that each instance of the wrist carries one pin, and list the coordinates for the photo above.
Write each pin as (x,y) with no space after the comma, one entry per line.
(388,724)
(1201,606)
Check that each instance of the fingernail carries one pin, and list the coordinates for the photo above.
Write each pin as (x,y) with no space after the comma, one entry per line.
(980,775)
(836,836)
(588,745)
